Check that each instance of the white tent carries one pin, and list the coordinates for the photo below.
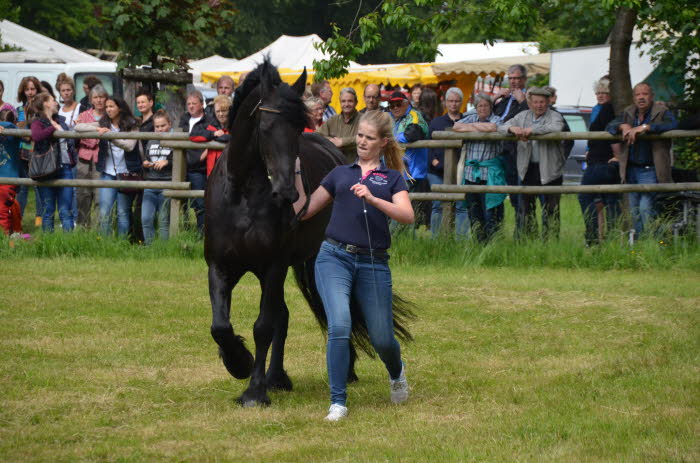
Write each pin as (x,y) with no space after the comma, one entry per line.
(287,52)
(38,45)
(212,63)
(574,70)
(451,52)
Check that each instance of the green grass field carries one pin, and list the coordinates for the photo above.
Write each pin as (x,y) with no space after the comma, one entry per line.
(107,357)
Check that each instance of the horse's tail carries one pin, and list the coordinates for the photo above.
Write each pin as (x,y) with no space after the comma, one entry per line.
(403,310)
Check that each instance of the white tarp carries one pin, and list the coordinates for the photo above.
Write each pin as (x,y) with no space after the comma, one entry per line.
(212,63)
(451,52)
(286,52)
(34,43)
(574,70)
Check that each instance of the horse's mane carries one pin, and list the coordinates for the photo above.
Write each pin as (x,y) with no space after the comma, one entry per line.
(261,80)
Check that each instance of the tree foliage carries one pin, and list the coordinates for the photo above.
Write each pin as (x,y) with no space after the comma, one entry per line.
(162,33)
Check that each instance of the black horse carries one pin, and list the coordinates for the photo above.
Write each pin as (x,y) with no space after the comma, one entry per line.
(250,226)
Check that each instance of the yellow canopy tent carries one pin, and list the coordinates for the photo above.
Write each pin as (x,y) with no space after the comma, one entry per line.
(464,73)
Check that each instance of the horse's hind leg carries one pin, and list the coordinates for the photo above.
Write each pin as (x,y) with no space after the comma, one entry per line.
(237,359)
(276,377)
(271,302)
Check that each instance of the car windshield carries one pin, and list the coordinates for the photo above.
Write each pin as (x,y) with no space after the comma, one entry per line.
(576,123)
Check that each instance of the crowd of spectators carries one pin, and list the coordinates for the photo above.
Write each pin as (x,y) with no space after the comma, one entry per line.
(417,113)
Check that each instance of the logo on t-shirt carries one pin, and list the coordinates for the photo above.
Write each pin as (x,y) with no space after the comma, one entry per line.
(379,179)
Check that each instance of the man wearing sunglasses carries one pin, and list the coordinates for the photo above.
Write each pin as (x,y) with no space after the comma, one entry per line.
(409,126)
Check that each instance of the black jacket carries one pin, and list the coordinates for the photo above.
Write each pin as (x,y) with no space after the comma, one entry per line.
(193,155)
(134,161)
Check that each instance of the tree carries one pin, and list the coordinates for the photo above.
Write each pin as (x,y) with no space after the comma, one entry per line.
(163,33)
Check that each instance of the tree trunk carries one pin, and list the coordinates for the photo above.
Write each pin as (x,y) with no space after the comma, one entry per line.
(620,42)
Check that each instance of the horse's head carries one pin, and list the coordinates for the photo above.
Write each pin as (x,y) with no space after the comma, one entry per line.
(277,116)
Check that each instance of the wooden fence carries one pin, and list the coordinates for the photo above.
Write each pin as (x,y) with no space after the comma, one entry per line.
(179,190)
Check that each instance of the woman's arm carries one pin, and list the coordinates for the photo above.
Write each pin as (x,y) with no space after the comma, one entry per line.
(399,208)
(39,132)
(86,126)
(319,200)
(126,145)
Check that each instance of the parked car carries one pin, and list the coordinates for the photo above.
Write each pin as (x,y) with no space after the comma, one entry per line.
(578,118)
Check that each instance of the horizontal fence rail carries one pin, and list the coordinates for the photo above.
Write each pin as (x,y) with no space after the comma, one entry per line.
(553,136)
(568,189)
(178,189)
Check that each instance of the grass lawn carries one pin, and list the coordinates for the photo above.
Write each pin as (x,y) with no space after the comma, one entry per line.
(111,360)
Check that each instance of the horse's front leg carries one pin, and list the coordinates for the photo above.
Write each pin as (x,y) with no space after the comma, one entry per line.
(276,377)
(236,357)
(271,303)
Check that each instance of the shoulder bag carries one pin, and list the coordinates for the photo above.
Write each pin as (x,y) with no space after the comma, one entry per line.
(44,166)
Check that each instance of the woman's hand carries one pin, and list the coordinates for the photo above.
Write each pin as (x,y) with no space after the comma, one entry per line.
(147,164)
(160,164)
(219,133)
(361,191)
(102,130)
(56,125)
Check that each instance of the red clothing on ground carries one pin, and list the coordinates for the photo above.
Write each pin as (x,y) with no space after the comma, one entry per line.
(10,215)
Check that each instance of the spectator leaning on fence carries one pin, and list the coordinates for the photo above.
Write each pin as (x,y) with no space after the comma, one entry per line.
(29,87)
(117,157)
(644,161)
(601,169)
(88,148)
(10,214)
(88,84)
(482,165)
(157,165)
(43,111)
(196,167)
(436,156)
(539,162)
(217,131)
(342,128)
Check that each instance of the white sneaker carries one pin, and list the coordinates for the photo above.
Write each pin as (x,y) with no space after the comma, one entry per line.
(337,412)
(399,388)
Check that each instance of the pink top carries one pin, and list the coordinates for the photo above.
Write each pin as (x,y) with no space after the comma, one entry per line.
(88,147)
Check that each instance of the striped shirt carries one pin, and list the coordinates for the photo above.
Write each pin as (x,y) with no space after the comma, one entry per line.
(477,150)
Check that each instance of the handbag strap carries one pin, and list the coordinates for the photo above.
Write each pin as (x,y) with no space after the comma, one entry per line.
(109,143)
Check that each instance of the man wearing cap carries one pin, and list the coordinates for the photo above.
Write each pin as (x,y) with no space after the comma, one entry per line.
(409,126)
(373,97)
(342,128)
(539,162)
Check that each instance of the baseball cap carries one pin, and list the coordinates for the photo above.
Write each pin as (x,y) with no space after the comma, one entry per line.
(397,96)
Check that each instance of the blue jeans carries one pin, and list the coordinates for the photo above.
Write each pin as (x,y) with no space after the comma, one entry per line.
(641,204)
(198,181)
(61,196)
(155,204)
(23,195)
(599,174)
(108,196)
(485,222)
(461,215)
(341,276)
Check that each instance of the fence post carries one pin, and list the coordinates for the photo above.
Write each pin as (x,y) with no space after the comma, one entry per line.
(179,174)
(449,177)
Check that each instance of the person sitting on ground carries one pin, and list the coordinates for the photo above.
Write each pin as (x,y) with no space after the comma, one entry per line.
(217,130)
(157,165)
(43,110)
(10,214)
(482,166)
(539,162)
(342,128)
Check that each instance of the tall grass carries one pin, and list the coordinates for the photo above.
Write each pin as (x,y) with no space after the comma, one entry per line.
(568,251)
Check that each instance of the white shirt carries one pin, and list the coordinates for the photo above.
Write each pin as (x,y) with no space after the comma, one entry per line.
(194,120)
(115,157)
(70,116)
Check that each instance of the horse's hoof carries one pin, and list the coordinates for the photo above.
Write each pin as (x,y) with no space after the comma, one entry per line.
(239,367)
(250,399)
(278,381)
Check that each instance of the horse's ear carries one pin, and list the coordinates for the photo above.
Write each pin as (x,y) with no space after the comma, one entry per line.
(300,85)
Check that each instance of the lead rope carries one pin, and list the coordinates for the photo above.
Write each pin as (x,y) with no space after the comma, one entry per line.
(369,242)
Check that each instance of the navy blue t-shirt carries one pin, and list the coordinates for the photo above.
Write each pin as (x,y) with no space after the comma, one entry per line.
(347,223)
